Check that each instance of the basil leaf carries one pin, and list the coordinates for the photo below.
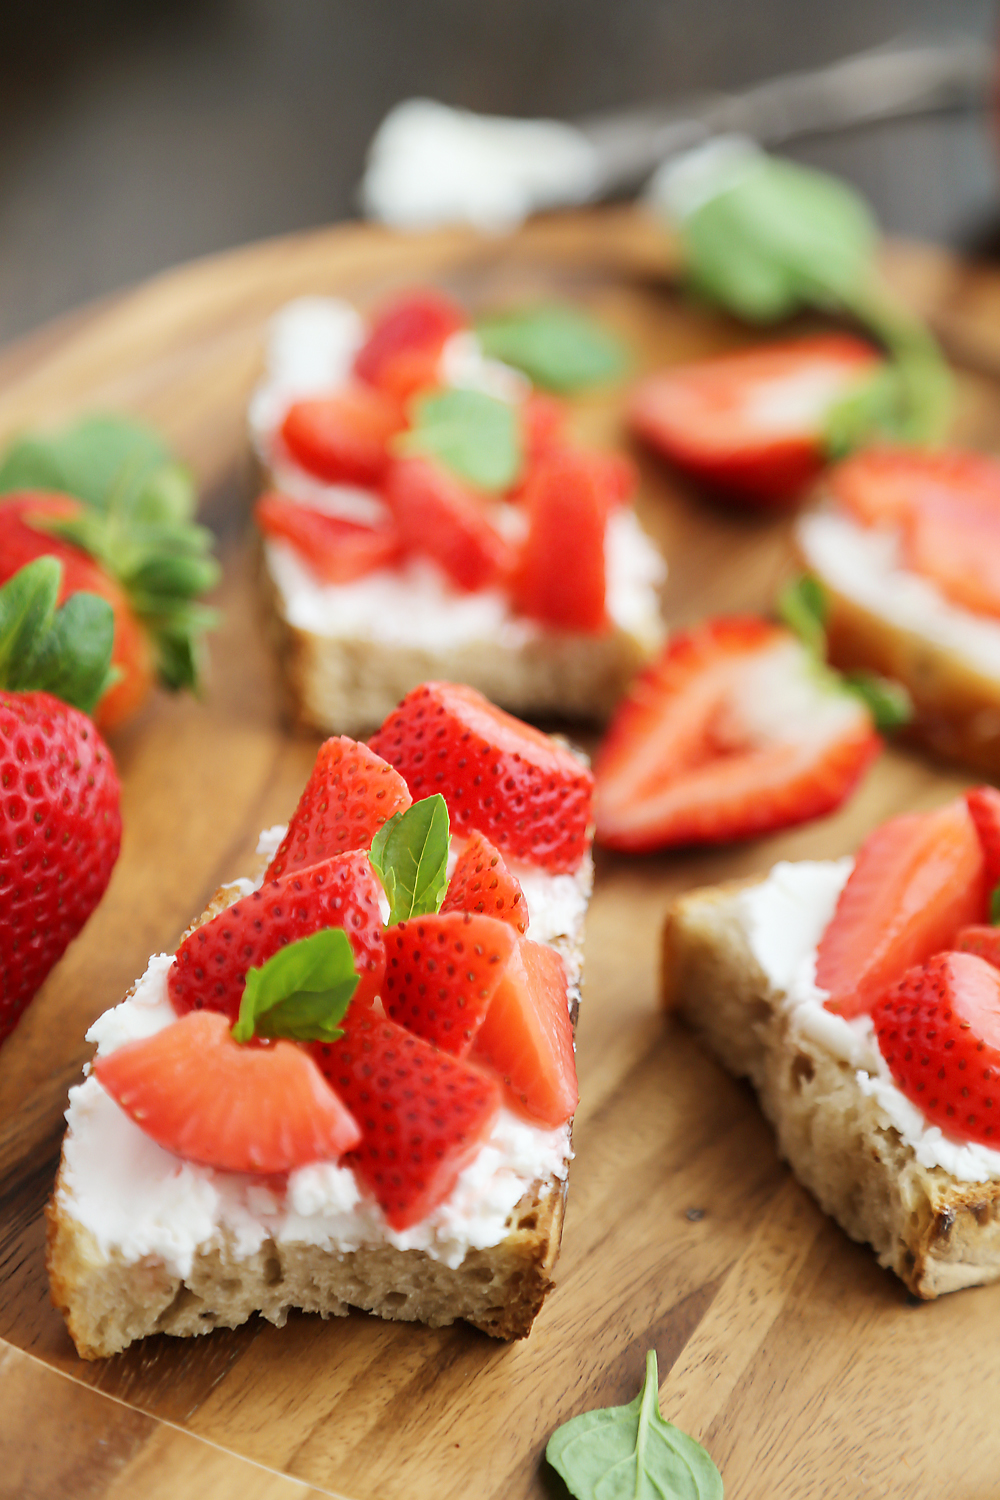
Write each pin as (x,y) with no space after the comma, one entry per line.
(93,459)
(889,702)
(66,652)
(409,854)
(802,607)
(558,347)
(630,1453)
(474,435)
(302,991)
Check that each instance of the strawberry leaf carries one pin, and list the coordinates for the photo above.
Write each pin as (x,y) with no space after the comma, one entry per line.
(93,460)
(302,991)
(474,435)
(621,1452)
(409,854)
(66,652)
(557,347)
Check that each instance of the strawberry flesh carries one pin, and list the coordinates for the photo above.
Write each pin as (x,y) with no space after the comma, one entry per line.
(916,881)
(482,883)
(561,574)
(348,797)
(441,972)
(531,797)
(983,803)
(527,1036)
(939,1031)
(752,423)
(402,350)
(336,549)
(423,1115)
(440,518)
(60,831)
(201,1095)
(730,734)
(983,941)
(210,969)
(342,438)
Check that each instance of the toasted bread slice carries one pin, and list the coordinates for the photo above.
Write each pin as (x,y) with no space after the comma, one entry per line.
(937,1233)
(109,1299)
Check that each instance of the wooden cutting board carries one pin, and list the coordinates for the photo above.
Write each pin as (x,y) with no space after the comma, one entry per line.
(804,1368)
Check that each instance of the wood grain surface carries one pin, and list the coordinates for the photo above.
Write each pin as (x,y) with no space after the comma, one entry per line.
(804,1368)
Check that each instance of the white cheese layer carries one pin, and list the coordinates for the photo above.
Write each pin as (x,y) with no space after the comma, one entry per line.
(140,1200)
(784,918)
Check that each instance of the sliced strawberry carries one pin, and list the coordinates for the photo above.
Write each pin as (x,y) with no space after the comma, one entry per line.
(752,423)
(983,803)
(939,1031)
(338,550)
(527,1036)
(482,883)
(348,797)
(984,942)
(441,972)
(204,1097)
(529,795)
(210,969)
(880,486)
(561,574)
(916,881)
(543,420)
(956,542)
(730,734)
(402,351)
(423,1115)
(442,519)
(342,438)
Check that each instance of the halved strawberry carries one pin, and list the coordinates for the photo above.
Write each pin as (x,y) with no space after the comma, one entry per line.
(916,881)
(529,795)
(402,350)
(561,573)
(342,438)
(956,542)
(939,1031)
(481,882)
(879,486)
(983,803)
(732,733)
(423,1115)
(527,1036)
(210,969)
(984,942)
(441,972)
(752,423)
(348,797)
(338,550)
(442,519)
(204,1097)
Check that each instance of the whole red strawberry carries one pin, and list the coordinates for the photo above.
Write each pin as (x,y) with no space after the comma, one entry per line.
(60,826)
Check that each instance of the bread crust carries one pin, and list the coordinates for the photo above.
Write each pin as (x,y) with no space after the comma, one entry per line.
(345,685)
(936,1233)
(109,1302)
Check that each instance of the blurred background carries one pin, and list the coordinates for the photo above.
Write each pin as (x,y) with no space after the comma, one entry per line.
(138,133)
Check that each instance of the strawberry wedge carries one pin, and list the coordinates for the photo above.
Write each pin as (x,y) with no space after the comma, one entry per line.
(917,881)
(732,733)
(752,424)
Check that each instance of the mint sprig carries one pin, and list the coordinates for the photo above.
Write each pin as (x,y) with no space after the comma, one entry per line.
(409,854)
(802,606)
(66,652)
(302,991)
(557,347)
(474,435)
(621,1452)
(765,238)
(136,522)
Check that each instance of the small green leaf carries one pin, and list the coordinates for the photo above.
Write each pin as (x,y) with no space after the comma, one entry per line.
(631,1453)
(409,854)
(66,652)
(802,607)
(889,702)
(302,991)
(27,608)
(560,348)
(474,435)
(995,906)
